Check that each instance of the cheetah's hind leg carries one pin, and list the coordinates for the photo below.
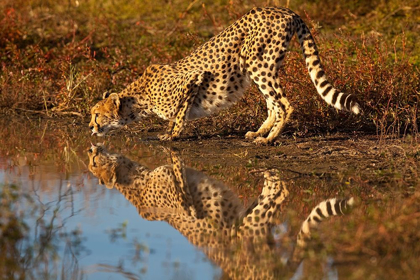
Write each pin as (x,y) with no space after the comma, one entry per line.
(279,112)
(265,127)
(283,110)
(260,214)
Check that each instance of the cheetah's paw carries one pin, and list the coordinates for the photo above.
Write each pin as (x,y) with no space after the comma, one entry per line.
(261,141)
(251,135)
(165,137)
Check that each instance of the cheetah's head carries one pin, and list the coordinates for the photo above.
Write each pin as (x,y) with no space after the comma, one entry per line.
(102,165)
(106,115)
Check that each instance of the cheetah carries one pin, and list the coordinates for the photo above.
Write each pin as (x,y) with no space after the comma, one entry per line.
(216,74)
(237,238)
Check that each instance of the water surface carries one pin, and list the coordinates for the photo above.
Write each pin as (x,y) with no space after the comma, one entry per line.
(59,222)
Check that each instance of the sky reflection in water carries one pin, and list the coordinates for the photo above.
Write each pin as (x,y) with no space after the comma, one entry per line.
(107,248)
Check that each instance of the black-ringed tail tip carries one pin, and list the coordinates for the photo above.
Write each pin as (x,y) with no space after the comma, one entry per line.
(325,209)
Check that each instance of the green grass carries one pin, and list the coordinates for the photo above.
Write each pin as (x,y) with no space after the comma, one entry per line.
(58,58)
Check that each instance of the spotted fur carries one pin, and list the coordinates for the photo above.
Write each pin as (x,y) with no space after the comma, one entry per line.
(216,75)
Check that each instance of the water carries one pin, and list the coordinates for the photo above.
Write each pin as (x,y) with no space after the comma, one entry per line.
(87,230)
(58,222)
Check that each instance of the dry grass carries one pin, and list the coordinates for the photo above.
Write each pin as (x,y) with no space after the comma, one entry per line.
(58,58)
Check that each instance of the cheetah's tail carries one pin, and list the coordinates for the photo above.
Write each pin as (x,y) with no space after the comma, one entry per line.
(340,100)
(324,210)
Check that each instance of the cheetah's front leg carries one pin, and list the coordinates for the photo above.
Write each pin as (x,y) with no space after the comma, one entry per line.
(187,88)
(181,118)
(175,127)
(168,135)
(184,191)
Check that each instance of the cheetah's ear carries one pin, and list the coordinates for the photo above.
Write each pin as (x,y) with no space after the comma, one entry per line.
(105,94)
(109,185)
(108,178)
(113,102)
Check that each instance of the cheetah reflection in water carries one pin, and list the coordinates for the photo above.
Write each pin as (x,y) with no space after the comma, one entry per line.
(237,238)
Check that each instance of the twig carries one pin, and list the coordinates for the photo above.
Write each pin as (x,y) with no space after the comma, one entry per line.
(31,111)
(405,8)
(43,112)
(69,113)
